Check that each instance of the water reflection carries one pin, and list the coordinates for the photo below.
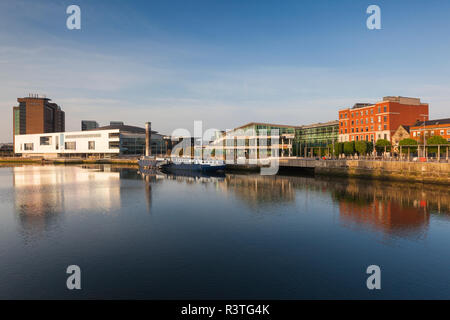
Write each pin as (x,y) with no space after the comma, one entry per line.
(397,209)
(43,193)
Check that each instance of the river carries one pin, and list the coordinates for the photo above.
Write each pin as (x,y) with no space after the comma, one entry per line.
(237,236)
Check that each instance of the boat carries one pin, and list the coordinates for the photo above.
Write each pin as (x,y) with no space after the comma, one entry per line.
(151,163)
(177,164)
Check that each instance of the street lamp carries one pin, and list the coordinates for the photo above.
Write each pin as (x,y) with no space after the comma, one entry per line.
(424,140)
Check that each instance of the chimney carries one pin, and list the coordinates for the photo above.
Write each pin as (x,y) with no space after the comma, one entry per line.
(148,139)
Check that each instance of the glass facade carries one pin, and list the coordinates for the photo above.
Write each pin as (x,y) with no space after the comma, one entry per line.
(253,141)
(16,121)
(317,135)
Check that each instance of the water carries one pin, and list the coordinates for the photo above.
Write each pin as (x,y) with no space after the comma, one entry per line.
(239,236)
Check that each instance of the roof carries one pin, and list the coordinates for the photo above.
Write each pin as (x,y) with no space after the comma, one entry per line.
(122,128)
(321,124)
(404,127)
(432,122)
(265,124)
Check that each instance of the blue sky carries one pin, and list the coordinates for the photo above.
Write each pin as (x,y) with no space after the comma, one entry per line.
(223,62)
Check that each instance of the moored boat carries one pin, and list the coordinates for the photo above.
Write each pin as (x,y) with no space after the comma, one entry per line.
(188,164)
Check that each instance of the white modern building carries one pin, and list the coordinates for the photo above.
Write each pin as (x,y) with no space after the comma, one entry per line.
(102,143)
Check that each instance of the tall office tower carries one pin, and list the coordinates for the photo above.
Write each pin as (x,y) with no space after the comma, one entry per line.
(36,114)
(88,125)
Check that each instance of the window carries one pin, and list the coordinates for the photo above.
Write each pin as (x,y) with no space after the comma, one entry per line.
(76,136)
(371,120)
(345,130)
(379,118)
(357,121)
(70,145)
(414,134)
(385,127)
(114,144)
(448,132)
(432,133)
(379,127)
(45,141)
(357,129)
(385,118)
(28,146)
(367,120)
(91,145)
(441,132)
(353,122)
(385,108)
(371,128)
(379,109)
(114,135)
(371,111)
(385,136)
(367,129)
(362,113)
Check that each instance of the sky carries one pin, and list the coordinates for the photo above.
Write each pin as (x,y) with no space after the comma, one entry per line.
(225,63)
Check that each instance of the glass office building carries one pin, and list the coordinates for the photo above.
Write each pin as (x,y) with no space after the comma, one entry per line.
(319,135)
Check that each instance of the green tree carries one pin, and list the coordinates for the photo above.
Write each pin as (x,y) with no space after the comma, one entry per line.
(361,147)
(408,142)
(436,140)
(338,148)
(349,147)
(382,145)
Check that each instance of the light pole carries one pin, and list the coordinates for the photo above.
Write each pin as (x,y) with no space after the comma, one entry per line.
(424,140)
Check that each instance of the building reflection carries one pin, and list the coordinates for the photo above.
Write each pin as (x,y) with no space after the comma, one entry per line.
(258,190)
(43,193)
(398,209)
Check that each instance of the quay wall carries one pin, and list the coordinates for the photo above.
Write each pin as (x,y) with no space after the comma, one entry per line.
(39,160)
(430,172)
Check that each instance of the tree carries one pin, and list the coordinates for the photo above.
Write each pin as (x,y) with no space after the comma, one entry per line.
(436,140)
(338,148)
(382,145)
(349,147)
(361,147)
(408,142)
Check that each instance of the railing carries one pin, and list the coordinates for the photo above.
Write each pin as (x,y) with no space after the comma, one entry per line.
(409,153)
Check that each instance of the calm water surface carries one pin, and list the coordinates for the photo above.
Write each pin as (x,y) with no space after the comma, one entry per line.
(237,236)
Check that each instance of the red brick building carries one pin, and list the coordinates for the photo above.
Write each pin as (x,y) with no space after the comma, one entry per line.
(37,115)
(439,127)
(371,122)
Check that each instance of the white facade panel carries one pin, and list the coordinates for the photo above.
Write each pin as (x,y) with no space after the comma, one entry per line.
(61,142)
